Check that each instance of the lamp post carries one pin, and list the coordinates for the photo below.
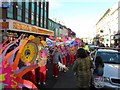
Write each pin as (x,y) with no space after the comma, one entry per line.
(5,6)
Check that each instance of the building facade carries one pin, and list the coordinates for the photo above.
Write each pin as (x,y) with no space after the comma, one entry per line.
(59,29)
(30,16)
(107,26)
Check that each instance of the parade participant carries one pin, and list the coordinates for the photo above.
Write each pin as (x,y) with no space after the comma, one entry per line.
(63,56)
(82,68)
(50,52)
(76,55)
(43,42)
(40,71)
(72,53)
(56,58)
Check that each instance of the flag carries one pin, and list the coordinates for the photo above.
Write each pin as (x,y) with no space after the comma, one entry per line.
(49,42)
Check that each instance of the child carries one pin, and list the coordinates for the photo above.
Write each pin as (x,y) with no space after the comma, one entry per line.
(99,66)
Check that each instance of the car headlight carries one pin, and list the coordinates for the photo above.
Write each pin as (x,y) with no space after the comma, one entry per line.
(106,79)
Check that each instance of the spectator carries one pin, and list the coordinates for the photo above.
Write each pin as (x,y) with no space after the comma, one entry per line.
(99,66)
(82,67)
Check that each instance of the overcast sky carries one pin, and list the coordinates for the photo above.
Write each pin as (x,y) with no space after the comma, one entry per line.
(79,15)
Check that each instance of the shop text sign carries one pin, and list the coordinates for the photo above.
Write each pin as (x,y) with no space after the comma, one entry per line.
(25,27)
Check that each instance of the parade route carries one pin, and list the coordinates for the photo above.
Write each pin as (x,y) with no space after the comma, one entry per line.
(64,80)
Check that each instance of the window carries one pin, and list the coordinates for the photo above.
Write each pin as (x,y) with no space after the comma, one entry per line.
(19,3)
(41,12)
(32,18)
(19,14)
(26,16)
(37,10)
(41,5)
(110,57)
(26,10)
(32,6)
(37,19)
(41,21)
(10,11)
(27,5)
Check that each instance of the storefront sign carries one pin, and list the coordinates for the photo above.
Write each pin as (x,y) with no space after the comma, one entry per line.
(25,27)
(20,26)
(4,25)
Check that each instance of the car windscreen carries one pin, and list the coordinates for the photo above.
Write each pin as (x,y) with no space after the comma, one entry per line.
(110,57)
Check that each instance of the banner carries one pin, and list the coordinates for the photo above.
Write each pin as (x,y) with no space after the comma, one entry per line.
(49,42)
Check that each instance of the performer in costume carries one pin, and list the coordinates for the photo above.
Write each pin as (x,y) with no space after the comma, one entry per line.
(63,56)
(41,76)
(72,52)
(56,58)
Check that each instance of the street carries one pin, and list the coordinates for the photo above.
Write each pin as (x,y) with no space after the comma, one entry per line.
(64,80)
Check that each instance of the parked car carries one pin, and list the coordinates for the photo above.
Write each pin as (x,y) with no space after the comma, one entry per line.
(111,60)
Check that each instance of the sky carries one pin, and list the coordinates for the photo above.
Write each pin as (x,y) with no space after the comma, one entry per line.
(80,16)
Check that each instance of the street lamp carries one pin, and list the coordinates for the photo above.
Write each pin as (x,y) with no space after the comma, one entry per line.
(5,5)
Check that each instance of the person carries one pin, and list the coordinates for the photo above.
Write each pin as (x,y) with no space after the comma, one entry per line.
(98,72)
(72,53)
(86,47)
(82,67)
(99,66)
(40,71)
(56,59)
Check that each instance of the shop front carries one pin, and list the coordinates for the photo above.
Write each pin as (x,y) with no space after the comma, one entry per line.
(12,26)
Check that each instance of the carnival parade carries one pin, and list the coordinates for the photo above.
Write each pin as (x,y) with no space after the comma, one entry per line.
(52,44)
(24,59)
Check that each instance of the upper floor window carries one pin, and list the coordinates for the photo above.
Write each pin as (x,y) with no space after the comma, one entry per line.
(32,6)
(10,11)
(27,5)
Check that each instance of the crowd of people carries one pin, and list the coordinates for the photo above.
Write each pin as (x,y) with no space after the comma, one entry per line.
(76,55)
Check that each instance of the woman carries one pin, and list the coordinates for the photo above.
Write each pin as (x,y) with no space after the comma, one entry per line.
(82,67)
(99,66)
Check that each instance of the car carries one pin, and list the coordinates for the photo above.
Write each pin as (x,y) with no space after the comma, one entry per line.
(111,59)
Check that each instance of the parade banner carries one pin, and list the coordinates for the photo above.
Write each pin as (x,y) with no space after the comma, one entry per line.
(49,42)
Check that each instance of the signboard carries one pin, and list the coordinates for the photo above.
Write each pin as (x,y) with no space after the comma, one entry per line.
(30,28)
(6,4)
(4,25)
